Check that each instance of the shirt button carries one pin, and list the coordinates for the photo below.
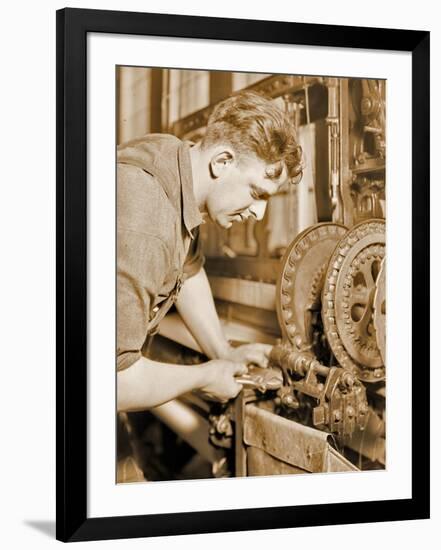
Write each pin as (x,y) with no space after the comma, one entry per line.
(156,309)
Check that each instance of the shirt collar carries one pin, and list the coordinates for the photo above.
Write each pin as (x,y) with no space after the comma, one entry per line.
(190,211)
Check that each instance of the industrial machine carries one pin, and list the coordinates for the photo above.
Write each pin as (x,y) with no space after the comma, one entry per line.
(310,279)
(325,385)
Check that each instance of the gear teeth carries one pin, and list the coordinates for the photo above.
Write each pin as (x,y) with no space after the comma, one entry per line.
(354,254)
(292,326)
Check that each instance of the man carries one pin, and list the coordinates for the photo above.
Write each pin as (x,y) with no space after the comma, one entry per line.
(165,188)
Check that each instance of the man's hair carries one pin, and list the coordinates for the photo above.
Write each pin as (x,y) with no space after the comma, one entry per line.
(250,123)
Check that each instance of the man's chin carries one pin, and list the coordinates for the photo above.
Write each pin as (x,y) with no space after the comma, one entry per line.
(225,223)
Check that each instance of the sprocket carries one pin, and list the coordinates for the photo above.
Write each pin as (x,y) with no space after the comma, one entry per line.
(348,296)
(300,283)
(380,310)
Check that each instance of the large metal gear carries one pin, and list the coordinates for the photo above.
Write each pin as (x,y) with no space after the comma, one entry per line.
(300,283)
(348,296)
(380,310)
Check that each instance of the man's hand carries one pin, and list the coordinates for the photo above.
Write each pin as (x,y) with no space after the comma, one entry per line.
(251,354)
(219,379)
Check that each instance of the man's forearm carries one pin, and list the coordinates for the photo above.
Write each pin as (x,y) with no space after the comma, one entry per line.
(195,305)
(148,383)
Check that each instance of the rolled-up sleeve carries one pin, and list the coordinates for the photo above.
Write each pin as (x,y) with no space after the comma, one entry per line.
(142,262)
(143,259)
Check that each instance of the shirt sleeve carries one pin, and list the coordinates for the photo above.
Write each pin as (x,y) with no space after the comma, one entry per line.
(195,258)
(142,261)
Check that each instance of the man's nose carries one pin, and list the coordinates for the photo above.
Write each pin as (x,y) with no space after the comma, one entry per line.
(257,209)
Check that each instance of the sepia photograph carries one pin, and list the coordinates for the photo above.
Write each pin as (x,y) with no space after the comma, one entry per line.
(250,274)
(195,276)
(222,281)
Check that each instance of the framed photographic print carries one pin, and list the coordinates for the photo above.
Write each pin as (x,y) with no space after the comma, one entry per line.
(226,193)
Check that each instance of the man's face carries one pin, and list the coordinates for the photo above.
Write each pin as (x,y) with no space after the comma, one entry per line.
(241,188)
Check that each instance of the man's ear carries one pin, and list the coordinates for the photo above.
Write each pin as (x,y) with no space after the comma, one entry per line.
(220,162)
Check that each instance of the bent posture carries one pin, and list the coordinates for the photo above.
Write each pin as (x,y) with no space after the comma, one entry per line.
(165,189)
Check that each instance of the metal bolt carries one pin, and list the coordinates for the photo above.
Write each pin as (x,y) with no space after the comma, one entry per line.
(288,399)
(348,379)
(366,105)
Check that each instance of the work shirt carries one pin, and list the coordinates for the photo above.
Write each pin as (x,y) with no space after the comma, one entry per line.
(157,236)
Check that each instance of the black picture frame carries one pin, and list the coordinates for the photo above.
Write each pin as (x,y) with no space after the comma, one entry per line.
(72,523)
